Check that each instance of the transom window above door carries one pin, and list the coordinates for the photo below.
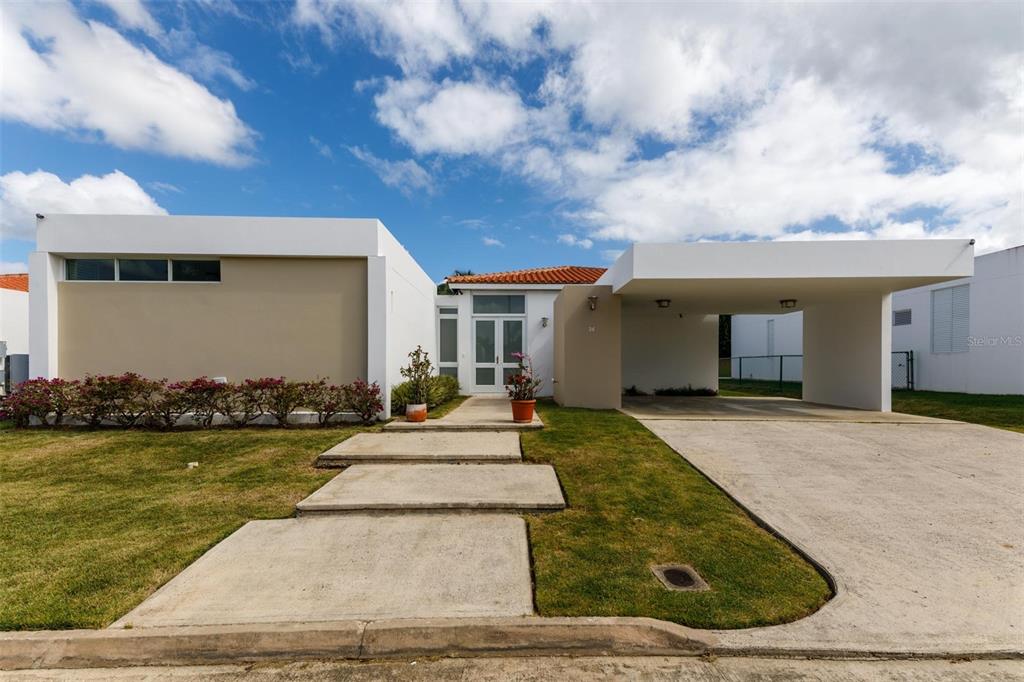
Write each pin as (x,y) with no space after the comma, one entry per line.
(499,304)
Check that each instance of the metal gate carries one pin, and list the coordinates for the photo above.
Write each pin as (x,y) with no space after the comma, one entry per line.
(903,369)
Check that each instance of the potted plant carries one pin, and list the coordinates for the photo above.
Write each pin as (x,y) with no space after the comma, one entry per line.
(418,374)
(522,389)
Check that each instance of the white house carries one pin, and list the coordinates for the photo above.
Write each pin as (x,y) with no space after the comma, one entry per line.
(14,312)
(967,335)
(13,321)
(185,296)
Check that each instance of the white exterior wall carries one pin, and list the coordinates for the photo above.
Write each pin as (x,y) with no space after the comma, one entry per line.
(409,319)
(993,363)
(14,320)
(847,353)
(540,340)
(662,348)
(750,338)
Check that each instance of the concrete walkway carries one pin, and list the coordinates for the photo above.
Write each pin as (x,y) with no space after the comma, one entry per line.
(424,447)
(342,559)
(434,487)
(728,408)
(353,567)
(478,413)
(919,524)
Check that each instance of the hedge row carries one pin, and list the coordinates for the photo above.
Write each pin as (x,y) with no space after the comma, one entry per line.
(132,400)
(441,390)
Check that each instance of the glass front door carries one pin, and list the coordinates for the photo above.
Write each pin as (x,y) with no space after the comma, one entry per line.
(495,340)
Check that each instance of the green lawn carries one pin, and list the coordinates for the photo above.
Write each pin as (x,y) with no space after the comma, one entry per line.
(92,522)
(1000,411)
(633,502)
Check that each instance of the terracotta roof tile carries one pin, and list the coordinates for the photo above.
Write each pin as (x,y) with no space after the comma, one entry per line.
(558,274)
(17,282)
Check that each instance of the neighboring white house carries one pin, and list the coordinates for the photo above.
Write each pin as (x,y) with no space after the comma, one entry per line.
(967,335)
(497,314)
(14,312)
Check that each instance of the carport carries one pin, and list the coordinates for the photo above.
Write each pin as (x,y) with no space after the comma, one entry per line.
(652,320)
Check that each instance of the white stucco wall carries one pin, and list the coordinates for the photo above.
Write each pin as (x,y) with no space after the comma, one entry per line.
(14,320)
(750,338)
(993,363)
(662,348)
(847,349)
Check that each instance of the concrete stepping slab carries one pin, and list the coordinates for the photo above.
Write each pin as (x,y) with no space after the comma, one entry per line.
(435,447)
(438,487)
(351,567)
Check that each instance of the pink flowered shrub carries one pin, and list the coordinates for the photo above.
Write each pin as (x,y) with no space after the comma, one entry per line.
(365,400)
(283,398)
(327,400)
(31,398)
(168,405)
(203,395)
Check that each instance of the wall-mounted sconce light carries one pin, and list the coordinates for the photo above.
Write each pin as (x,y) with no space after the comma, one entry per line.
(787,303)
(543,321)
(664,302)
(593,302)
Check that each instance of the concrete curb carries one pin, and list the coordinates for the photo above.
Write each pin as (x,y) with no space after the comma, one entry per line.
(223,644)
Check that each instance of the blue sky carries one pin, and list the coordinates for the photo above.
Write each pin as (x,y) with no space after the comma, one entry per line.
(492,136)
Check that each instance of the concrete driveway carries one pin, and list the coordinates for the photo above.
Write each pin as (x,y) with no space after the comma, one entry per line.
(920,522)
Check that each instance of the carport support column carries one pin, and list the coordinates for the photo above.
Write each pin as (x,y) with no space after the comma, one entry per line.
(848,353)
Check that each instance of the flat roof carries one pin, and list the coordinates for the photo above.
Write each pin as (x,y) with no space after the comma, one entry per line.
(753,277)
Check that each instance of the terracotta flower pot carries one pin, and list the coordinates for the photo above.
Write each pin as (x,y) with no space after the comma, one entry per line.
(522,411)
(416,413)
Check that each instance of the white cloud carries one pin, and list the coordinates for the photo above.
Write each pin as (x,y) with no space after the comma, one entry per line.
(406,176)
(22,195)
(672,121)
(65,74)
(612,255)
(132,14)
(420,34)
(451,117)
(8,267)
(165,187)
(573,240)
(321,148)
(206,63)
(491,241)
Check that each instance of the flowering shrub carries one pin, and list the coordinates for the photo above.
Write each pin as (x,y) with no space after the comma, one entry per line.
(523,385)
(418,374)
(202,396)
(242,403)
(327,400)
(30,399)
(132,400)
(442,389)
(364,399)
(168,405)
(284,397)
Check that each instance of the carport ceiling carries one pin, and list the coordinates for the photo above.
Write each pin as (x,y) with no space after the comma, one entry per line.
(738,296)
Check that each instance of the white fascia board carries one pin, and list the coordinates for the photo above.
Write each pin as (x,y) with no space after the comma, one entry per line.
(621,271)
(879,259)
(507,287)
(209,235)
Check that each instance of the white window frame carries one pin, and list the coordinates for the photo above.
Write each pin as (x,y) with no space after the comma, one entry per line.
(448,316)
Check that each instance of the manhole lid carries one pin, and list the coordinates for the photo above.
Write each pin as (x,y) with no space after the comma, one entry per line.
(680,578)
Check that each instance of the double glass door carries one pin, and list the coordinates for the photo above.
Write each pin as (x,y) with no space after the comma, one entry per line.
(495,339)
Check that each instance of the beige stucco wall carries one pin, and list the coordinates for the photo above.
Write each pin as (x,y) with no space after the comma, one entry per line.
(588,348)
(296,317)
(663,348)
